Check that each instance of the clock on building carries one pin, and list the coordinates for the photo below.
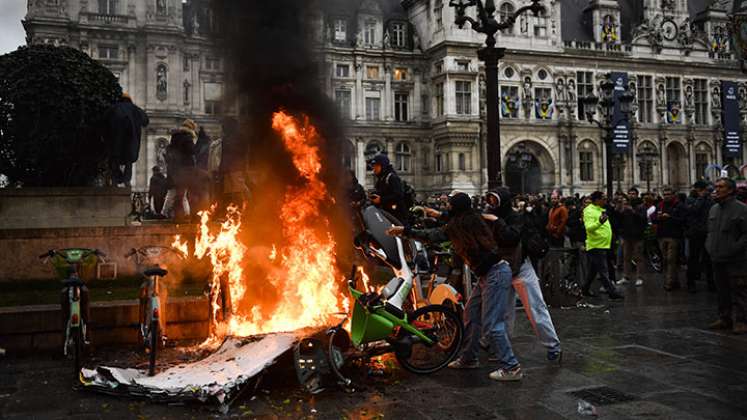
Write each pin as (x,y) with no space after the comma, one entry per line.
(669,30)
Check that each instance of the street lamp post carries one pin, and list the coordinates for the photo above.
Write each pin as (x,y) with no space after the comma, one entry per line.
(607,104)
(487,24)
(646,156)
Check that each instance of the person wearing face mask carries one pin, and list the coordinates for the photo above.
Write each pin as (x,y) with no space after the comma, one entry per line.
(727,245)
(473,241)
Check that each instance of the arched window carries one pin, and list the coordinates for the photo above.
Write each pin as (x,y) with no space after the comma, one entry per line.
(506,10)
(702,160)
(402,157)
(647,156)
(586,156)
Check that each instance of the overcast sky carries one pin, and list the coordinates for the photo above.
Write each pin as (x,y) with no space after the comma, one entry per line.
(12,34)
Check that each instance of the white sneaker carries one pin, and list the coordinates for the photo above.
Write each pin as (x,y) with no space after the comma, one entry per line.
(623,282)
(639,283)
(507,375)
(602,289)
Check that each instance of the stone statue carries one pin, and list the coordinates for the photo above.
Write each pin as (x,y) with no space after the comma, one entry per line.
(715,98)
(527,93)
(387,41)
(689,97)
(416,42)
(685,36)
(560,90)
(161,153)
(661,96)
(195,23)
(742,97)
(161,83)
(571,92)
(359,39)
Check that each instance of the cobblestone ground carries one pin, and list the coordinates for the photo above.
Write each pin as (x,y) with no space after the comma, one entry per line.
(647,357)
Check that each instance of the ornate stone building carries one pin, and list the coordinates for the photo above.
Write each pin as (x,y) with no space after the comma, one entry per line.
(159,50)
(407,81)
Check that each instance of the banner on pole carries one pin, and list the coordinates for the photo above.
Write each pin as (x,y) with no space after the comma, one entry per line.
(620,122)
(730,118)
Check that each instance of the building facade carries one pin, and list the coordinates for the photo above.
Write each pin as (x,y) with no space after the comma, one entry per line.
(407,81)
(160,51)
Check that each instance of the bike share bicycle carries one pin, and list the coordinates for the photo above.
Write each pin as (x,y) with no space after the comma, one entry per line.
(153,298)
(423,340)
(68,263)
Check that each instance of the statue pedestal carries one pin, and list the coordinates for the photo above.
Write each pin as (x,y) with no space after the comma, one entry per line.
(40,208)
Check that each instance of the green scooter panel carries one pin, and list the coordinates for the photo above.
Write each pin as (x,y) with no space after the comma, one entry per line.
(367,327)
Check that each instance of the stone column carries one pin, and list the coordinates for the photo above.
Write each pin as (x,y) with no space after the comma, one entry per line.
(360,161)
(387,96)
(416,107)
(359,102)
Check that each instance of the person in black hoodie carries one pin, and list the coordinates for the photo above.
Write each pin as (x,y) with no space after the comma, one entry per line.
(389,193)
(473,241)
(697,230)
(180,169)
(507,228)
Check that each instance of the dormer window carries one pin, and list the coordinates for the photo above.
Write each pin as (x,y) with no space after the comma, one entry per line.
(341,30)
(462,65)
(507,10)
(369,32)
(540,27)
(398,34)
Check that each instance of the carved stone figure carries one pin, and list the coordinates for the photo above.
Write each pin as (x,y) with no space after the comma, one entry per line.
(661,96)
(387,41)
(161,153)
(161,82)
(689,97)
(571,92)
(716,98)
(685,36)
(416,41)
(742,97)
(527,93)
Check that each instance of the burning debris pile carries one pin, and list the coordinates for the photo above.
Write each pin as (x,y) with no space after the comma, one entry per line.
(301,286)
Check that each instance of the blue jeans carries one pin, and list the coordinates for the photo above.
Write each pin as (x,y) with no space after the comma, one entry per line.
(483,316)
(527,285)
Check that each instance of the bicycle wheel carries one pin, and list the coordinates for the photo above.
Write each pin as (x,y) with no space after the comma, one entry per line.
(154,338)
(444,327)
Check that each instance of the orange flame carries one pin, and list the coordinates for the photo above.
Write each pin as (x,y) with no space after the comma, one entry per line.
(306,283)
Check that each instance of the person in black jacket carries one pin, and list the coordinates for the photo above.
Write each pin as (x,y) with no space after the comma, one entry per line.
(122,132)
(389,194)
(697,230)
(670,220)
(473,241)
(633,223)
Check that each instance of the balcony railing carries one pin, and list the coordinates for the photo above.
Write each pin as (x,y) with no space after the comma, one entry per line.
(104,19)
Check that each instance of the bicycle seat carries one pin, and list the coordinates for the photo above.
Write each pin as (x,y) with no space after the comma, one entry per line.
(160,272)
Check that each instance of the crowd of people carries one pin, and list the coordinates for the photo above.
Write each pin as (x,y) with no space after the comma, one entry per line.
(500,236)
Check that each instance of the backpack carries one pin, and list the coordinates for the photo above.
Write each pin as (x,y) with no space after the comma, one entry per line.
(532,239)
(408,192)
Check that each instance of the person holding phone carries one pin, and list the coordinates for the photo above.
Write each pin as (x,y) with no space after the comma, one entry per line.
(388,191)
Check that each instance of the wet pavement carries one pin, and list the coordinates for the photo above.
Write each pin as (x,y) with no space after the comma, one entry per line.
(649,357)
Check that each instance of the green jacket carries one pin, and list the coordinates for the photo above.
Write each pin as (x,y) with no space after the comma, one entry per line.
(598,236)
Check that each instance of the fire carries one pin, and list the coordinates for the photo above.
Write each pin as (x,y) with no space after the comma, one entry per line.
(305,280)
